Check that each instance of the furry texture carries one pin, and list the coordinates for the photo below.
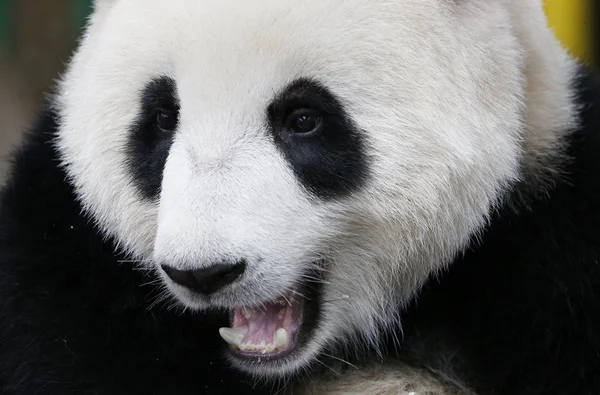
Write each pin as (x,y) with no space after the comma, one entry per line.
(530,326)
(78,318)
(460,104)
(437,89)
(386,379)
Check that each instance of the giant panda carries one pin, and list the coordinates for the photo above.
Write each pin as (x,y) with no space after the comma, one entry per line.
(314,196)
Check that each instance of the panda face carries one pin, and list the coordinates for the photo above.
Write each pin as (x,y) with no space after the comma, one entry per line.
(304,166)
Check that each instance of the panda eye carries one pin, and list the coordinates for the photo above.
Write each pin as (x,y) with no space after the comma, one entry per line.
(166,120)
(304,122)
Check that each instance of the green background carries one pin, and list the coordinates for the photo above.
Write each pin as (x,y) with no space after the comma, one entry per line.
(80,9)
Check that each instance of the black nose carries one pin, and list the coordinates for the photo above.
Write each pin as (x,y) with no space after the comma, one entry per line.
(208,280)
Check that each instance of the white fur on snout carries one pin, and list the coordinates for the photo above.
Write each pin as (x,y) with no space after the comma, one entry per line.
(241,202)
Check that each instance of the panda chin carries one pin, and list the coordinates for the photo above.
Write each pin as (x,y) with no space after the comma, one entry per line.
(270,330)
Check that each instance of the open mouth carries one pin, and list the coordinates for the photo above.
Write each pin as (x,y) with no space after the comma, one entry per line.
(268,331)
(276,330)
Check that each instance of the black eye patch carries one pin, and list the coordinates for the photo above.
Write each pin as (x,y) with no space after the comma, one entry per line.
(151,135)
(319,140)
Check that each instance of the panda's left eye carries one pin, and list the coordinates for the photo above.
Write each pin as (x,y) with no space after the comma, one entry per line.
(304,122)
(166,120)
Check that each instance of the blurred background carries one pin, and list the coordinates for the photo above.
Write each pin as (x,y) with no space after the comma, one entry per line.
(37,37)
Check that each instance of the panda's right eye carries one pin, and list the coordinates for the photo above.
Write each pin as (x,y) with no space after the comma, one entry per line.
(166,120)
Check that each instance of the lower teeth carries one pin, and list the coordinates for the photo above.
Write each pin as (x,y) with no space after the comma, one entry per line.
(235,337)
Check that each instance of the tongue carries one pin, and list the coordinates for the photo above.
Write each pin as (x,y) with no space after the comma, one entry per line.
(264,329)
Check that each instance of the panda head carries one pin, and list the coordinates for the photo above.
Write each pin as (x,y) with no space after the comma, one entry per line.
(303,165)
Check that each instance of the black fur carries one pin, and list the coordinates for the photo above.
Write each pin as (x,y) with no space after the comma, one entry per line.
(149,145)
(73,320)
(519,313)
(331,163)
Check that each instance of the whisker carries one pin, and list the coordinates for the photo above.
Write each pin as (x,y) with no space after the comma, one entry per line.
(151,282)
(301,295)
(328,367)
(161,297)
(173,306)
(263,307)
(315,279)
(142,269)
(283,386)
(341,360)
(286,299)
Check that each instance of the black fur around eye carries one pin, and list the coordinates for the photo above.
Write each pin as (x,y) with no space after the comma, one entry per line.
(167,120)
(304,122)
(152,134)
(318,138)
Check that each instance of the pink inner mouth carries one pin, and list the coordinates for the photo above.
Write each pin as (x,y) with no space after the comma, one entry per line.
(269,328)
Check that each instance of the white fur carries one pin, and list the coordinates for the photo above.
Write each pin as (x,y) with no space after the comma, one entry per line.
(451,96)
(385,379)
